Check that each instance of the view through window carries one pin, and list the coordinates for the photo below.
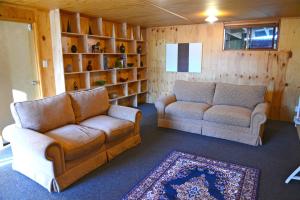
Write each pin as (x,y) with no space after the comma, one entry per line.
(255,37)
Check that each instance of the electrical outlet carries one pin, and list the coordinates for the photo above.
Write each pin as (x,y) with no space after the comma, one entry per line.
(45,63)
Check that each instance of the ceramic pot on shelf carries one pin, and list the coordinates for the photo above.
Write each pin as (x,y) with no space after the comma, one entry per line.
(75,86)
(122,48)
(69,68)
(89,67)
(73,49)
(139,49)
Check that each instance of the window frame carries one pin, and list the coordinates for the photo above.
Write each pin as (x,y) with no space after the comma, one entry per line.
(249,26)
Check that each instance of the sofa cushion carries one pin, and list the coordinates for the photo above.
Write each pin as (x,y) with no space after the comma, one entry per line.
(77,140)
(89,103)
(114,128)
(194,91)
(239,95)
(229,115)
(189,110)
(44,114)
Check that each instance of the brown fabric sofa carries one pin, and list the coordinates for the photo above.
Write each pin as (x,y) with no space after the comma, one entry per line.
(59,139)
(227,111)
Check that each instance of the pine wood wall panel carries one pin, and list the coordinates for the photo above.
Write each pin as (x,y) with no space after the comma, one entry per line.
(14,13)
(41,24)
(45,52)
(290,40)
(278,70)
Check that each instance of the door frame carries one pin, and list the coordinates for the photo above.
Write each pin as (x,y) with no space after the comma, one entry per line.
(27,16)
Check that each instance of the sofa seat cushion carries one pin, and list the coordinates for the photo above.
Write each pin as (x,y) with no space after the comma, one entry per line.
(77,140)
(188,110)
(229,115)
(114,128)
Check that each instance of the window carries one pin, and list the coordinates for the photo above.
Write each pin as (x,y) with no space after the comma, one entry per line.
(251,37)
(235,38)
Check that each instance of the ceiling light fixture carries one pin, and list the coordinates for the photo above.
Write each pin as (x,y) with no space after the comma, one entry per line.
(211,12)
(211,19)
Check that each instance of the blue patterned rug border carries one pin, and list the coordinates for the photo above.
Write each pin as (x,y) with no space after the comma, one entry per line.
(171,153)
(149,173)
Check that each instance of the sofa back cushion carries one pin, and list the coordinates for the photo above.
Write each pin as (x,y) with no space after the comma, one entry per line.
(202,92)
(44,114)
(239,95)
(89,103)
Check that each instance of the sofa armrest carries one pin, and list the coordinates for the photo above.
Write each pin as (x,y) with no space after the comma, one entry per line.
(162,103)
(258,118)
(37,145)
(123,112)
(260,113)
(127,113)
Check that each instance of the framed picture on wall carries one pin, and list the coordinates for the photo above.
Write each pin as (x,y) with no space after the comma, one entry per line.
(184,57)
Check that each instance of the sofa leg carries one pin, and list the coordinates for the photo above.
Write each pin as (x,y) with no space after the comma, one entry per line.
(293,176)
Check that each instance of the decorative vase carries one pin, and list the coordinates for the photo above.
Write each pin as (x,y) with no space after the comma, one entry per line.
(69,30)
(73,49)
(139,75)
(141,38)
(89,67)
(139,49)
(123,60)
(69,68)
(96,48)
(122,48)
(75,86)
(131,34)
(90,30)
(113,95)
(105,61)
(123,79)
(113,32)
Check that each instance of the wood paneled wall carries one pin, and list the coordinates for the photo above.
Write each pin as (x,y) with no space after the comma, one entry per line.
(41,24)
(278,70)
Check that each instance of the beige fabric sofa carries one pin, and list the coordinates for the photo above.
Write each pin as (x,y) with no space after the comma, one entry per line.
(227,111)
(59,139)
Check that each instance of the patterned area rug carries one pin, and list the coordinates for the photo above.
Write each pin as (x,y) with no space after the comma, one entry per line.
(189,177)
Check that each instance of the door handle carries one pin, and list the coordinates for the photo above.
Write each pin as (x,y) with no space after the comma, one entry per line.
(35,82)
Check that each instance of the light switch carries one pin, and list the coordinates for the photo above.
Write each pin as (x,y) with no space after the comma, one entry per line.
(45,63)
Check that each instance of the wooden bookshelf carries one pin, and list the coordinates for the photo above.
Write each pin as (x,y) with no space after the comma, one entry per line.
(124,74)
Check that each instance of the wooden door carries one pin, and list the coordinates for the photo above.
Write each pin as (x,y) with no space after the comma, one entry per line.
(18,67)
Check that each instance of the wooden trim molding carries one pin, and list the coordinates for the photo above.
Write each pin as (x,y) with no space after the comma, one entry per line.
(252,23)
(42,40)
(9,12)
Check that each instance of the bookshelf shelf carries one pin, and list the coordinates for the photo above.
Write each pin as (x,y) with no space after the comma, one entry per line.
(97,60)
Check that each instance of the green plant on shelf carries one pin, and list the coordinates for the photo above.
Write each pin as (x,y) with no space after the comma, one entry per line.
(100,83)
(130,64)
(119,63)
